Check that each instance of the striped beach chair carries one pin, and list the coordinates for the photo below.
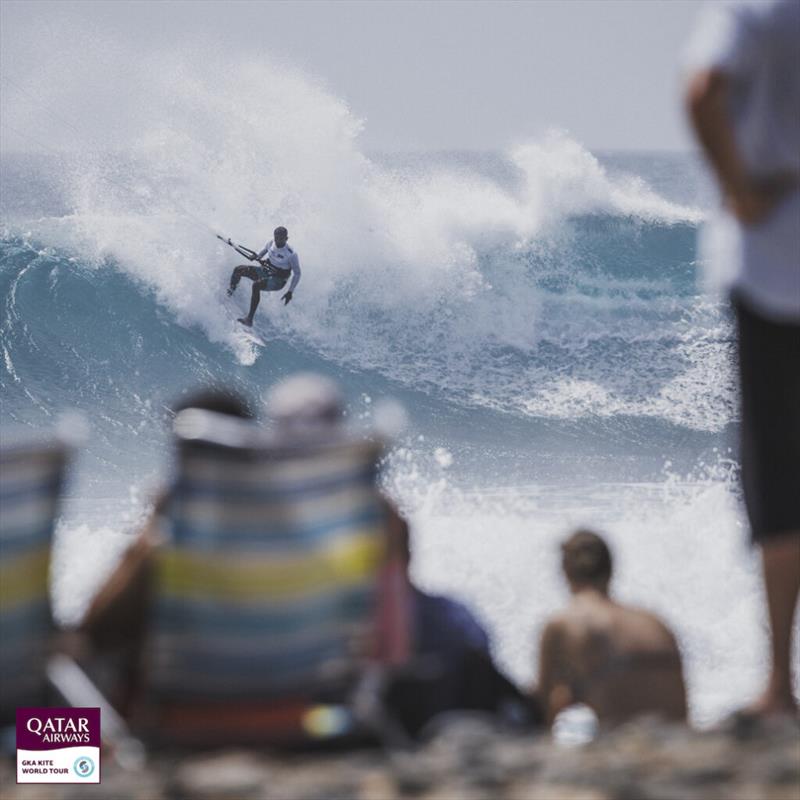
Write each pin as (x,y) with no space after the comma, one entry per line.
(266,585)
(31,475)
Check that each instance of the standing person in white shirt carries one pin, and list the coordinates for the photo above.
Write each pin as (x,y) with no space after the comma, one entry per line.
(272,273)
(744,104)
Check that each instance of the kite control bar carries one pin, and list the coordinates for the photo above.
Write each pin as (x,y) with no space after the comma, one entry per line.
(242,251)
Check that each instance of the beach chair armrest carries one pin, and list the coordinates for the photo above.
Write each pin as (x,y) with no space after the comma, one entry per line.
(67,678)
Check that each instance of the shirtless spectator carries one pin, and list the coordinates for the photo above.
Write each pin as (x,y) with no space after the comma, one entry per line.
(621,662)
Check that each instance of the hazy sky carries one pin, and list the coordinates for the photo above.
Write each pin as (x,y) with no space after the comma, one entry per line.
(423,75)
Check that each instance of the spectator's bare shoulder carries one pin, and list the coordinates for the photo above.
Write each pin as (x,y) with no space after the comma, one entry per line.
(557,622)
(669,637)
(655,625)
(655,620)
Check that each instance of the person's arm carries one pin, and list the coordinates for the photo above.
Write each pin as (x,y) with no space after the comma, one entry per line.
(708,101)
(682,706)
(264,250)
(393,639)
(295,267)
(117,613)
(552,688)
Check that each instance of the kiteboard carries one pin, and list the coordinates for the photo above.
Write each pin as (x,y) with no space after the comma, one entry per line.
(249,334)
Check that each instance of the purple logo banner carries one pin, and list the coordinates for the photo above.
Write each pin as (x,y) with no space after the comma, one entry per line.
(56,728)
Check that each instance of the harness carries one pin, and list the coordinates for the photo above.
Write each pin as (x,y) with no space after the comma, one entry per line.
(273,271)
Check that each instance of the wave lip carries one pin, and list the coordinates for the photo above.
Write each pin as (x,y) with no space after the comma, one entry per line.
(564,179)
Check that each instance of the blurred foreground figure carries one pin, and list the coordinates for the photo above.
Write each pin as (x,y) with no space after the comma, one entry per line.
(621,662)
(257,599)
(115,625)
(744,104)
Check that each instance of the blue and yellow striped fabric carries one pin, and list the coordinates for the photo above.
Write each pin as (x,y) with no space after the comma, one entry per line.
(30,482)
(267,585)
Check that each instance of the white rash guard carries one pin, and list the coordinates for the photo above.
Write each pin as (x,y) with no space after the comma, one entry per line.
(283,258)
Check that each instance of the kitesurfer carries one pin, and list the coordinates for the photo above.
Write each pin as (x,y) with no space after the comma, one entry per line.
(272,273)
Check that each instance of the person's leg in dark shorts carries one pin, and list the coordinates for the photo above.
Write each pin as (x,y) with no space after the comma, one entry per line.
(769,371)
(244,271)
(255,298)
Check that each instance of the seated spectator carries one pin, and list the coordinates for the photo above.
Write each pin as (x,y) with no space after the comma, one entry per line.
(453,669)
(114,625)
(622,662)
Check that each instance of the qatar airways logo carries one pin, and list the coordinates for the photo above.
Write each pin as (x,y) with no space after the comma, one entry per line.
(58,745)
(60,730)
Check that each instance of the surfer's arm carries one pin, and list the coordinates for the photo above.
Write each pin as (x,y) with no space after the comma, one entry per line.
(263,252)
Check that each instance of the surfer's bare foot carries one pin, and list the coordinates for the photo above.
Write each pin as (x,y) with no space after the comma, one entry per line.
(245,321)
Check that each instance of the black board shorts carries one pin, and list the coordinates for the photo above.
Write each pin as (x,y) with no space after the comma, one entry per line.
(769,372)
(274,278)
